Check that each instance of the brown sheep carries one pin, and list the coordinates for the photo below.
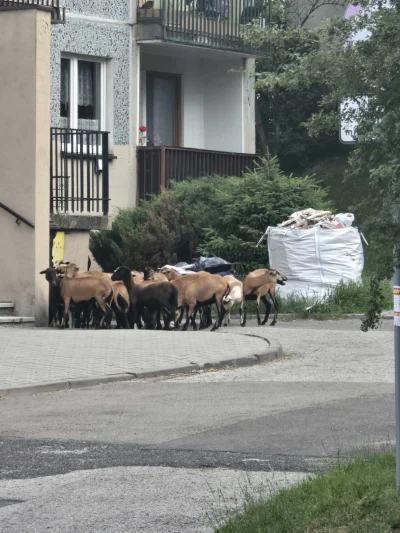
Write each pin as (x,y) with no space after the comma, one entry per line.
(256,286)
(181,281)
(83,289)
(205,290)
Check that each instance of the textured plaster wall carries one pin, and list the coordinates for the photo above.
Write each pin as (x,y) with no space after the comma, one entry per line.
(109,9)
(101,29)
(103,39)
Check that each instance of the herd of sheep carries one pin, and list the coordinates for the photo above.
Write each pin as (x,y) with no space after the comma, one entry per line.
(146,299)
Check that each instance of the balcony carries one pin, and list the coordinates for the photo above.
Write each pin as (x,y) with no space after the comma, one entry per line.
(57,10)
(206,23)
(79,172)
(158,165)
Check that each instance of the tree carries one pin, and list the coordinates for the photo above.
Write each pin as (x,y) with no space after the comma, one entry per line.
(281,105)
(367,72)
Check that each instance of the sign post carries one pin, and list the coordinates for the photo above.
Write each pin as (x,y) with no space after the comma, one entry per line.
(396,310)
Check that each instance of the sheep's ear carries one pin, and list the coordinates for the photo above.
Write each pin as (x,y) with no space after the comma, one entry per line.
(44,271)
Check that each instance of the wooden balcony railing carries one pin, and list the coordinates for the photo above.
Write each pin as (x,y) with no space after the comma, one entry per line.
(158,165)
(56,7)
(79,165)
(209,23)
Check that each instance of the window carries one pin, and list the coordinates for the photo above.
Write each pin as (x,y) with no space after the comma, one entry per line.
(82,94)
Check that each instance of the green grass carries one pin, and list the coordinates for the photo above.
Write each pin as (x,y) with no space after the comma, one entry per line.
(354,497)
(346,298)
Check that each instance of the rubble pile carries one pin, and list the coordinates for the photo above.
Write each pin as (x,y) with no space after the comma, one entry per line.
(311,218)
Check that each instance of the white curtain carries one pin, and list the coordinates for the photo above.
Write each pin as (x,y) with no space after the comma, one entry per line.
(85,80)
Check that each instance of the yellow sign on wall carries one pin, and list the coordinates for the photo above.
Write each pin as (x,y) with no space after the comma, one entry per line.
(57,253)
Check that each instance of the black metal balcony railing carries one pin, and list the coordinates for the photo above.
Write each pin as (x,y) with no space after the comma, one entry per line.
(210,23)
(57,10)
(79,165)
(158,165)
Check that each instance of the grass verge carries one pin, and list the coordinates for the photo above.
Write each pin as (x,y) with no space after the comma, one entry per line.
(354,497)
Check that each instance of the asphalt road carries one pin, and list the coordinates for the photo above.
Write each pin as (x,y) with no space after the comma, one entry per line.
(174,454)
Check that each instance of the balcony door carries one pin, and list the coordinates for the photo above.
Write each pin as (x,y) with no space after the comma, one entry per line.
(163,108)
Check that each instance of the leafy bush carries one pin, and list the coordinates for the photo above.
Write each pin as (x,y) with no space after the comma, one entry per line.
(248,206)
(154,233)
(209,216)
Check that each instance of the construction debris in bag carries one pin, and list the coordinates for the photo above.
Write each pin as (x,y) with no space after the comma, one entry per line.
(310,218)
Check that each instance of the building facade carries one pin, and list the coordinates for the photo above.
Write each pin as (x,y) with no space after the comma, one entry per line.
(180,69)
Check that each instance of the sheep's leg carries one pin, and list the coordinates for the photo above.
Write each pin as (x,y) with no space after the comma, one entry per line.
(124,321)
(193,318)
(131,317)
(203,316)
(228,313)
(220,314)
(169,312)
(109,316)
(243,308)
(208,316)
(276,307)
(191,309)
(102,305)
(258,310)
(139,316)
(159,325)
(89,314)
(169,318)
(67,302)
(267,304)
(206,320)
(179,321)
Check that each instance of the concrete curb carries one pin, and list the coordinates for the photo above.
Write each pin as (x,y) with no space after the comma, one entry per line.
(273,352)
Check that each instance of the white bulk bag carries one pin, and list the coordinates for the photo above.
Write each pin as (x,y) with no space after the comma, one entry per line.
(315,260)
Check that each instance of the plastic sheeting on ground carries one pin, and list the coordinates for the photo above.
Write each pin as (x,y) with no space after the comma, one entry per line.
(315,260)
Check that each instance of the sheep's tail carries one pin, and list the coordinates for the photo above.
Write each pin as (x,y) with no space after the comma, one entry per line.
(226,294)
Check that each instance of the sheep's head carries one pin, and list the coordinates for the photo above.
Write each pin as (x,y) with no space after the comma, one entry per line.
(168,273)
(65,268)
(148,273)
(71,270)
(121,273)
(277,277)
(51,276)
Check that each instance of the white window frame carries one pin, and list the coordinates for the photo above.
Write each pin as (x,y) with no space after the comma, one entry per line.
(73,91)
